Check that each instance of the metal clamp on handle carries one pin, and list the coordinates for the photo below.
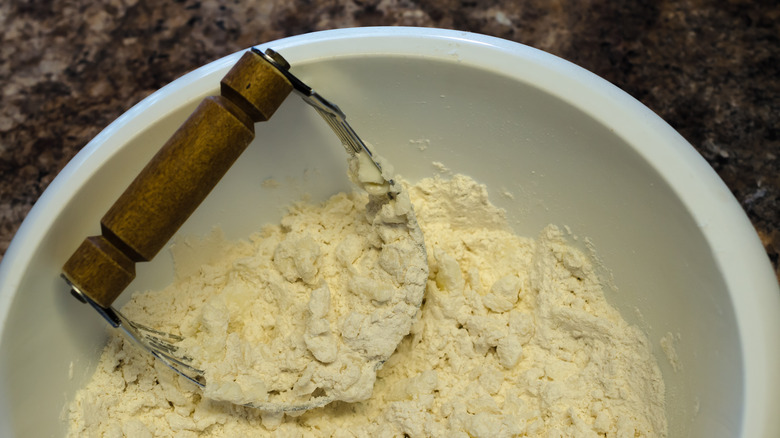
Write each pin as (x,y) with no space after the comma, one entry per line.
(328,110)
(108,313)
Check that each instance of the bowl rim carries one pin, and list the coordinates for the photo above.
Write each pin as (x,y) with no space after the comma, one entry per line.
(734,243)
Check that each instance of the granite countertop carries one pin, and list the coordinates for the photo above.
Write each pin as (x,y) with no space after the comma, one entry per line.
(710,68)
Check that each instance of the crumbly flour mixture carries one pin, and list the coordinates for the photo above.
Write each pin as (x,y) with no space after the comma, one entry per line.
(308,311)
(514,337)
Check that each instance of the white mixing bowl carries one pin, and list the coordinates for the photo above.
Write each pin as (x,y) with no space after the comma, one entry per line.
(553,143)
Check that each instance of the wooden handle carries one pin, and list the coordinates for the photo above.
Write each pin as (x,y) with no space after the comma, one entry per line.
(176,180)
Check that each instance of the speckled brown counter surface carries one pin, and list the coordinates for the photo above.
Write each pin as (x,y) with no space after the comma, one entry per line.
(709,68)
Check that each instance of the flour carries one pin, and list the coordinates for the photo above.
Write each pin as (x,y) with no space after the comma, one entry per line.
(514,337)
(308,311)
(668,342)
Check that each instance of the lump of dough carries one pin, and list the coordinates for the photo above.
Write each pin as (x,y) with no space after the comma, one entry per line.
(297,257)
(503,294)
(319,338)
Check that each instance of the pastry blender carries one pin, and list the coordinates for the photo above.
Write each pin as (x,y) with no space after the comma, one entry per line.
(176,181)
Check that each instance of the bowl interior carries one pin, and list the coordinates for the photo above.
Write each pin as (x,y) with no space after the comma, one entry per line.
(432,103)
